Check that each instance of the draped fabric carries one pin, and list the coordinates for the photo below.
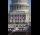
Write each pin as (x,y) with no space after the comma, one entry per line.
(18,17)
(10,28)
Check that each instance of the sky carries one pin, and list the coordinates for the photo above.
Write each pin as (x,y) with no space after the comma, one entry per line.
(29,2)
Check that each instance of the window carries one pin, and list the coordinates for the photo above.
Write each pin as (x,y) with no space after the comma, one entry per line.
(24,17)
(15,17)
(14,7)
(29,18)
(10,8)
(16,25)
(26,25)
(20,6)
(12,29)
(19,0)
(13,21)
(23,22)
(17,6)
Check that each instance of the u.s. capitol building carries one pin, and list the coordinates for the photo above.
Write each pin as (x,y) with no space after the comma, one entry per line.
(19,16)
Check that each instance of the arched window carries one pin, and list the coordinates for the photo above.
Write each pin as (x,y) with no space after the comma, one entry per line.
(16,25)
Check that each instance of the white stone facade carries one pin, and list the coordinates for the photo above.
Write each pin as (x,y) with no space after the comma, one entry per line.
(18,7)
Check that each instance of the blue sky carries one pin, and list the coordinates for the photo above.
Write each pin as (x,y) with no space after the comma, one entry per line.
(9,2)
